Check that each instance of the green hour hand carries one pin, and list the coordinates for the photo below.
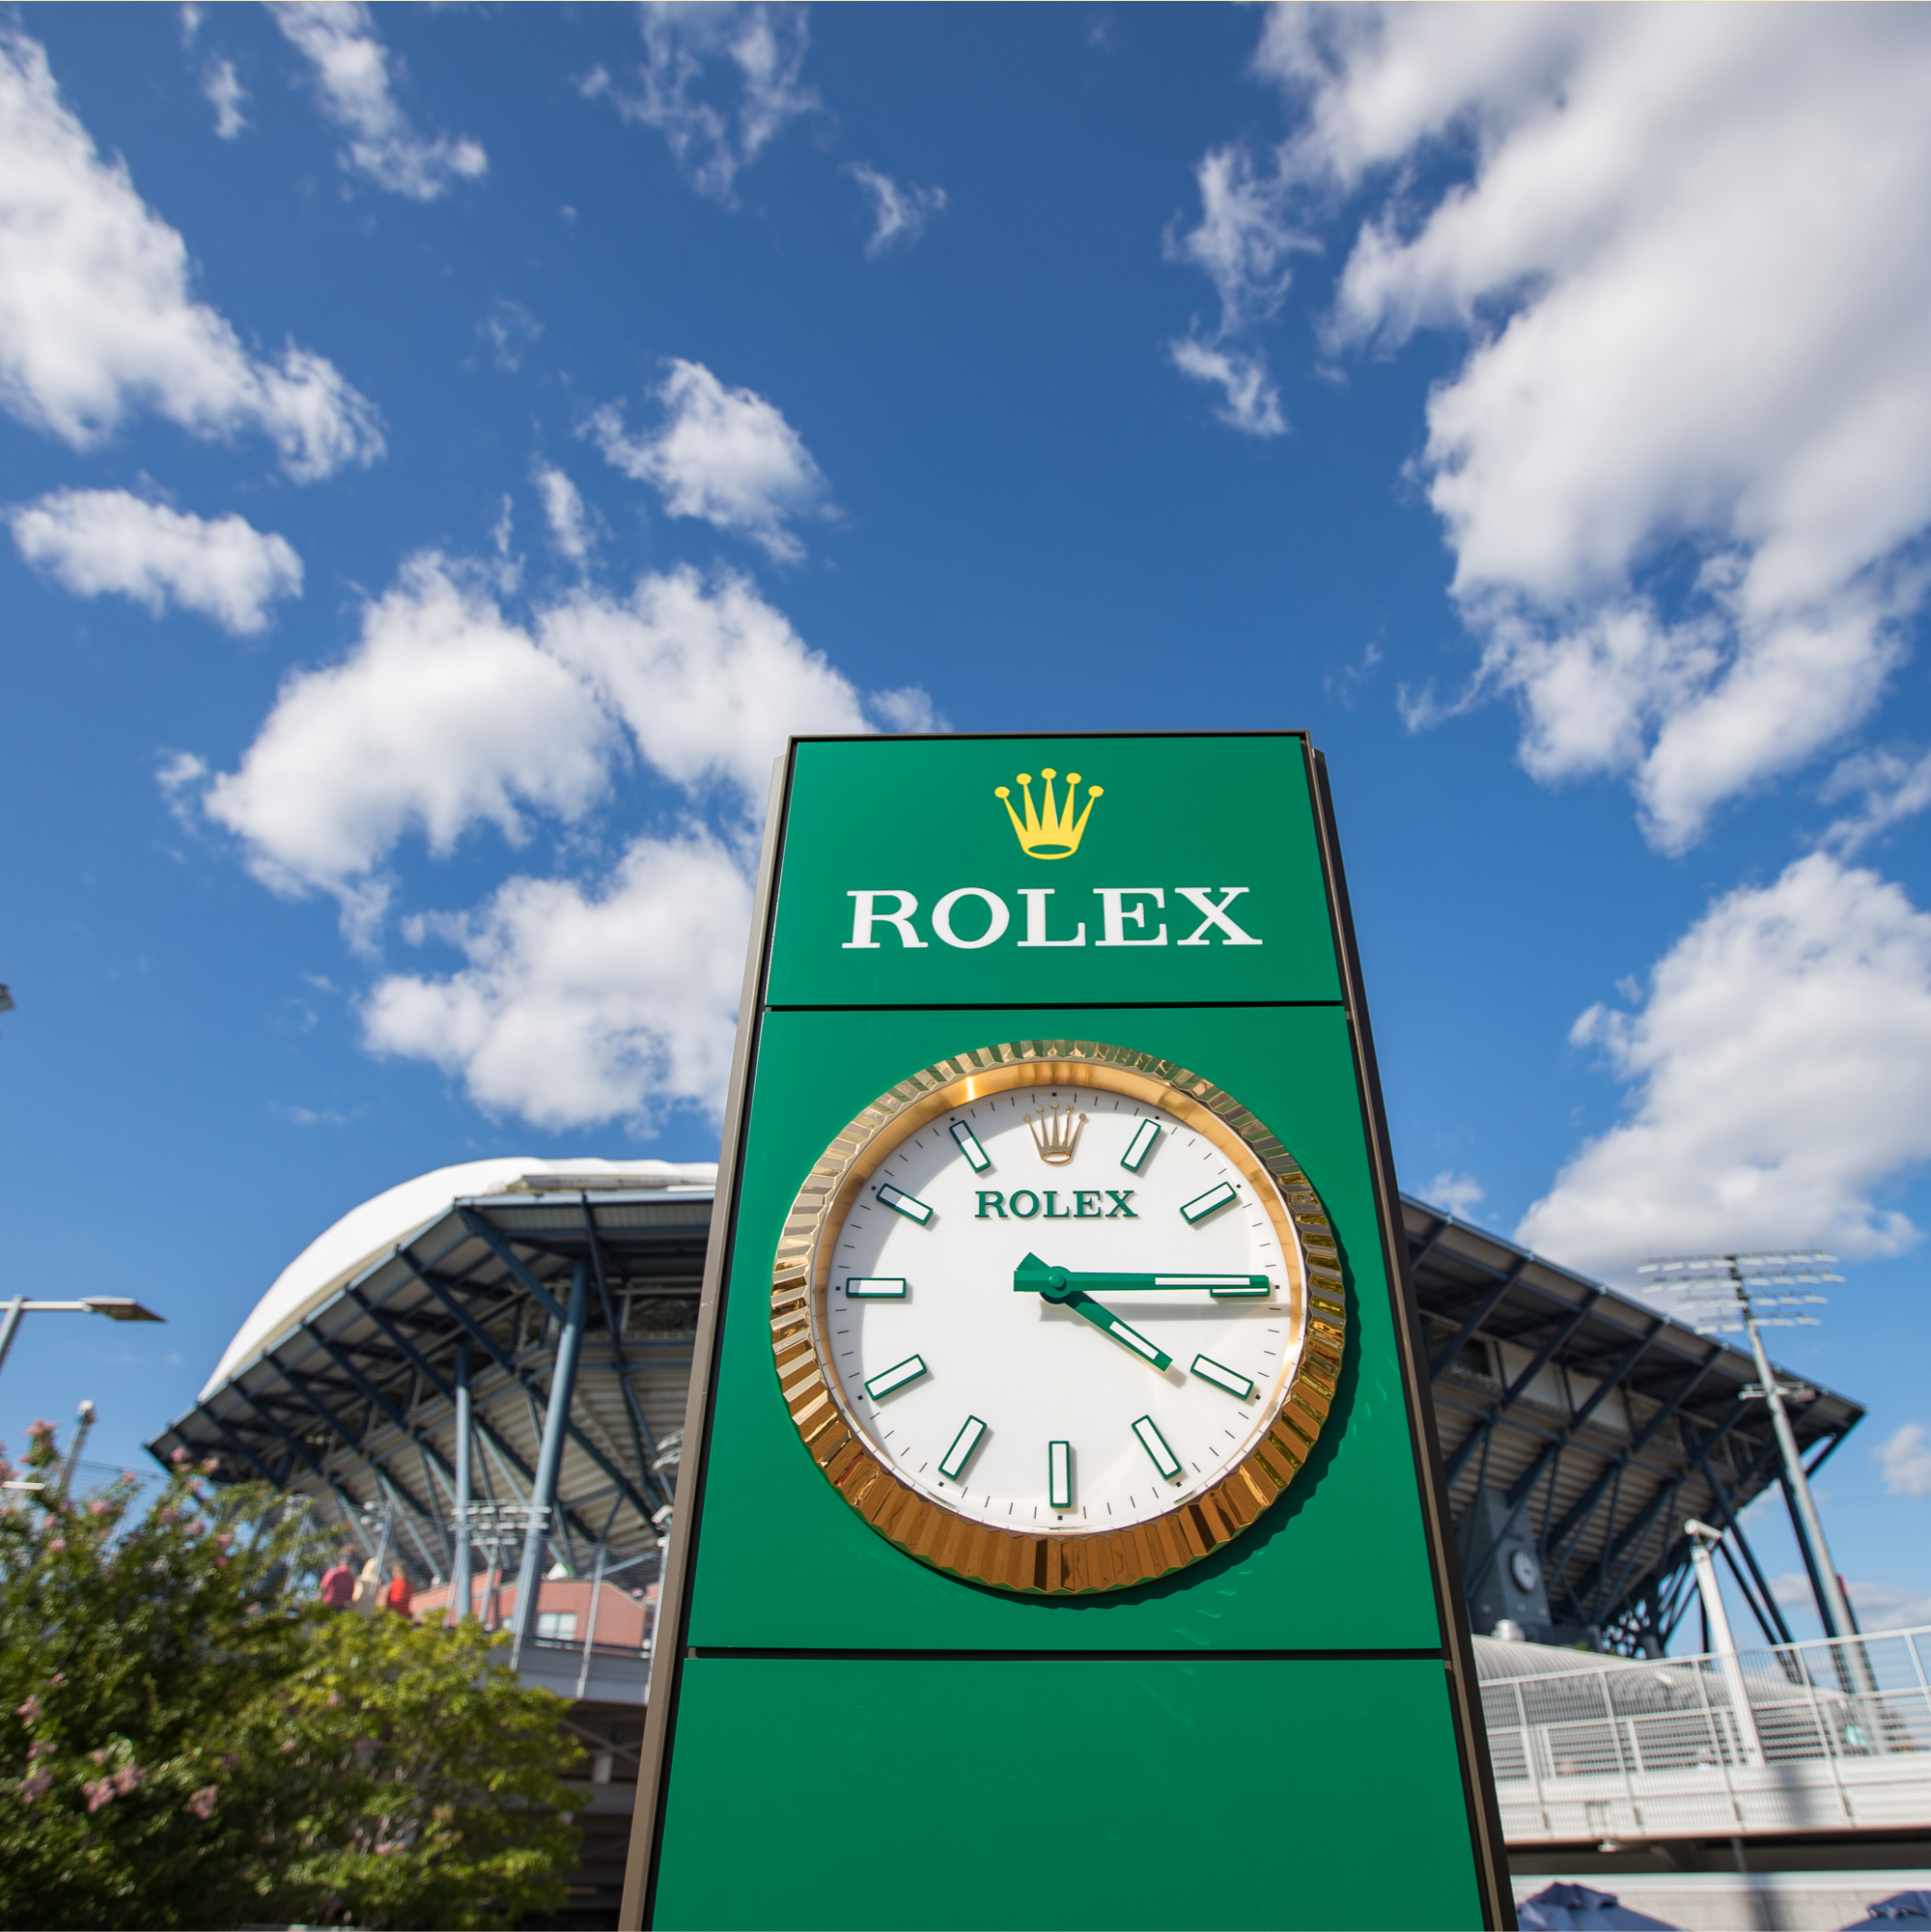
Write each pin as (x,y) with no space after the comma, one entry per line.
(1032,1270)
(1033,1277)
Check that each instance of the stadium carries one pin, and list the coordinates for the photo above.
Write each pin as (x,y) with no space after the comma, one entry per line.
(554,1304)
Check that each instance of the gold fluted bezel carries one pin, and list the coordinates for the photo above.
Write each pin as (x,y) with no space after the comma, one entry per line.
(1062,1560)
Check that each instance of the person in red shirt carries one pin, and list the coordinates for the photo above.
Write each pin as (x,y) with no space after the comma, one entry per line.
(398,1596)
(338,1582)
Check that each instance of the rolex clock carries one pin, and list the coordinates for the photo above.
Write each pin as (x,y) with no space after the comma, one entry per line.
(1057,1317)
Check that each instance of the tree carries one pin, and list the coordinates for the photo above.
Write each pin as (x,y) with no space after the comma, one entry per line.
(186,1739)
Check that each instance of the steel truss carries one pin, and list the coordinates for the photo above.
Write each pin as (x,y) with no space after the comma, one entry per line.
(1603,1424)
(355,1402)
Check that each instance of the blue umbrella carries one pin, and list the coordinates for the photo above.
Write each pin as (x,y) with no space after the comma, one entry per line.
(1899,1905)
(1580,1908)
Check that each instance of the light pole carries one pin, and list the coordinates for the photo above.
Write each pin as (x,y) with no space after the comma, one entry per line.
(116,1308)
(1735,1291)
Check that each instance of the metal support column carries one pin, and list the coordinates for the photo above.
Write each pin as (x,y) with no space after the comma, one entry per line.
(459,1605)
(549,1458)
(1831,1605)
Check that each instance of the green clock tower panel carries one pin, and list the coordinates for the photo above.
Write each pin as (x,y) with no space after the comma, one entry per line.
(1061,1537)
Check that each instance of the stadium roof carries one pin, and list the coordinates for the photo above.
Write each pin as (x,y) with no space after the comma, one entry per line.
(342,1382)
(1603,1422)
(1599,1421)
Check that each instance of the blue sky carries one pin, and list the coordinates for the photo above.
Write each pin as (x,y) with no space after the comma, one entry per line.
(444,452)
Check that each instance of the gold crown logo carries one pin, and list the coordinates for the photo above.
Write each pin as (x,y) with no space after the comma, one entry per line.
(1055,1132)
(1053,833)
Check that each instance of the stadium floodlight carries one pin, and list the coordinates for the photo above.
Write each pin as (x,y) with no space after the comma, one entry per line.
(116,1308)
(1726,1293)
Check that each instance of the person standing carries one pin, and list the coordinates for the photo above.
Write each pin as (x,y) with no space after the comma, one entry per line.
(338,1582)
(398,1596)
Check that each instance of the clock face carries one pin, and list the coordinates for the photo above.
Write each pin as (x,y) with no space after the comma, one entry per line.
(1066,1310)
(1527,1572)
(1105,1397)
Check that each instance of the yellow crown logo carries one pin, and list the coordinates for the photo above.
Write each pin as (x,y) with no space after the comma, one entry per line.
(1055,1132)
(1053,833)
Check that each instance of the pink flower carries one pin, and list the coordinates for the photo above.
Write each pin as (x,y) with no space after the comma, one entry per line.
(56,1680)
(287,1743)
(41,1748)
(32,1787)
(126,1780)
(39,1428)
(388,1846)
(57,1543)
(226,1538)
(202,1803)
(166,1513)
(177,1455)
(100,1792)
(98,1508)
(29,1711)
(209,1464)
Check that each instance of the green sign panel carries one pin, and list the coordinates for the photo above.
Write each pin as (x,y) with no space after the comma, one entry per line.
(1060,1539)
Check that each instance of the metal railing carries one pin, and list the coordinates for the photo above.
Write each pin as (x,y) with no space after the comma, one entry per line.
(1836,1737)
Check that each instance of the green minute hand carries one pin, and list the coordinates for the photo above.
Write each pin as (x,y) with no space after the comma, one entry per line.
(1033,1277)
(1032,1273)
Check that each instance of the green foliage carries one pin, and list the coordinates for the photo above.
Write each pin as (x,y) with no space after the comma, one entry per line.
(186,1739)
(430,1776)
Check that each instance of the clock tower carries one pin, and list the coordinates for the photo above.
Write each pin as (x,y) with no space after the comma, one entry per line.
(1061,1537)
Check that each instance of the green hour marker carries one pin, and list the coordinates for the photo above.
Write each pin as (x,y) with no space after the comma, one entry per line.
(968,1145)
(964,1443)
(1223,1377)
(904,1204)
(1155,1444)
(897,1376)
(1059,1474)
(1197,1211)
(874,1287)
(1140,1146)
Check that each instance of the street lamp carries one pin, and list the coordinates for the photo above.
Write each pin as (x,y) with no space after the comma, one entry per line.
(116,1308)
(1749,1291)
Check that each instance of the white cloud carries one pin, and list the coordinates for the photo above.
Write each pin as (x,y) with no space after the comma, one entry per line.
(355,89)
(900,217)
(757,50)
(1249,397)
(99,540)
(1877,1606)
(1889,1606)
(222,87)
(445,714)
(1893,786)
(448,714)
(1905,1458)
(510,329)
(1780,1072)
(724,454)
(575,1006)
(96,318)
(709,680)
(1690,251)
(1457,1193)
(1245,243)
(571,528)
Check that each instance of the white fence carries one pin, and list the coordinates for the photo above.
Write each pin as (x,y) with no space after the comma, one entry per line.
(1837,1736)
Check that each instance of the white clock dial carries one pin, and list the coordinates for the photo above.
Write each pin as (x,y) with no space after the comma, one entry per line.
(990,1369)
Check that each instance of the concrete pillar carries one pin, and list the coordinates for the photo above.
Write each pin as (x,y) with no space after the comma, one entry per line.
(1702,1539)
